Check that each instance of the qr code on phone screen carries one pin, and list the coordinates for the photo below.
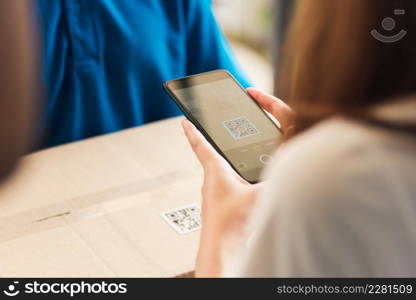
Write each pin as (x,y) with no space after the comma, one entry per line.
(184,219)
(240,128)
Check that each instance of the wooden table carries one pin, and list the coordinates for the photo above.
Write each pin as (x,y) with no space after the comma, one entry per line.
(92,208)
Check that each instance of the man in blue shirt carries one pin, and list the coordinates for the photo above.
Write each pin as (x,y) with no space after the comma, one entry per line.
(105,61)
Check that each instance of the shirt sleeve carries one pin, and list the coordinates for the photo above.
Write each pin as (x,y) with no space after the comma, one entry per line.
(325,215)
(207,47)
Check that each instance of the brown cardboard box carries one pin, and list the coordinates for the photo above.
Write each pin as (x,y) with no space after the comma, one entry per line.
(92,208)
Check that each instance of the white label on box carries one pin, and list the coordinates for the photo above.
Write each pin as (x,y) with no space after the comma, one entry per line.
(184,219)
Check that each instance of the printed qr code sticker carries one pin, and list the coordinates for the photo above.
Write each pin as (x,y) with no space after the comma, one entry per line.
(240,128)
(184,219)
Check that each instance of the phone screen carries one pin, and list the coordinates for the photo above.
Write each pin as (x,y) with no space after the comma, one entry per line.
(246,136)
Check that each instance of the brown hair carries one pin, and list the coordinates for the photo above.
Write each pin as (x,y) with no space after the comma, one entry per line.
(18,84)
(332,65)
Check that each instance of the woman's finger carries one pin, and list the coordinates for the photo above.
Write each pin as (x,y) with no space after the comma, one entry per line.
(280,110)
(204,151)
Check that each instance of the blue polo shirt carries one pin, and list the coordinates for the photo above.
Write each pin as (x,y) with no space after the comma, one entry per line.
(105,61)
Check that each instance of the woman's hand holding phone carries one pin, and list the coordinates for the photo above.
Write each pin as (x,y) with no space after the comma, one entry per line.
(227,199)
(276,107)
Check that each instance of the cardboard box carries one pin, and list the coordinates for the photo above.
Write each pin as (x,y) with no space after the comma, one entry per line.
(92,208)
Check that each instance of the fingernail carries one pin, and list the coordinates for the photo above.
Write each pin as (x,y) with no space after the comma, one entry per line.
(183,123)
(252,90)
(186,125)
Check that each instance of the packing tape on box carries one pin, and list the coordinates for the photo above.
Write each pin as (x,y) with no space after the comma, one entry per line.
(51,216)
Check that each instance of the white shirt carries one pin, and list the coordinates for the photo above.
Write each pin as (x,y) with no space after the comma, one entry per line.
(340,201)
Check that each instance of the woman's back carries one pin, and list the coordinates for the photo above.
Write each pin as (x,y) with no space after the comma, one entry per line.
(341,201)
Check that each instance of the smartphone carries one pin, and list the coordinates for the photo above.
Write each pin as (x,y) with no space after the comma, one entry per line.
(229,118)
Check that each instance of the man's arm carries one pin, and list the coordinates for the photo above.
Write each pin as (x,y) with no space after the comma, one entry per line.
(208,48)
(17,82)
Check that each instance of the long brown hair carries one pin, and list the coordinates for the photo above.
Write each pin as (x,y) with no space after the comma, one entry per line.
(332,65)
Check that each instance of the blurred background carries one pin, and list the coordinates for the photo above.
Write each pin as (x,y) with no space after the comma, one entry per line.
(255,30)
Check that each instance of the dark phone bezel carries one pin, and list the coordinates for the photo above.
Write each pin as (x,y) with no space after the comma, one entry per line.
(187,82)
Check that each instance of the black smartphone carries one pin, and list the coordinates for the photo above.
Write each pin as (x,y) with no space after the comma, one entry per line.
(229,118)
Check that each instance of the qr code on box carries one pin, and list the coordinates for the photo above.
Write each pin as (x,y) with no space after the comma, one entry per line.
(184,219)
(240,128)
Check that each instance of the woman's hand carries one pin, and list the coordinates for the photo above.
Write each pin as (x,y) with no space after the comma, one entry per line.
(276,107)
(226,203)
(227,199)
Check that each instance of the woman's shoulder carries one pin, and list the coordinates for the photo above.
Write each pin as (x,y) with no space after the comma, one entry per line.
(346,138)
(336,159)
(333,139)
(338,142)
